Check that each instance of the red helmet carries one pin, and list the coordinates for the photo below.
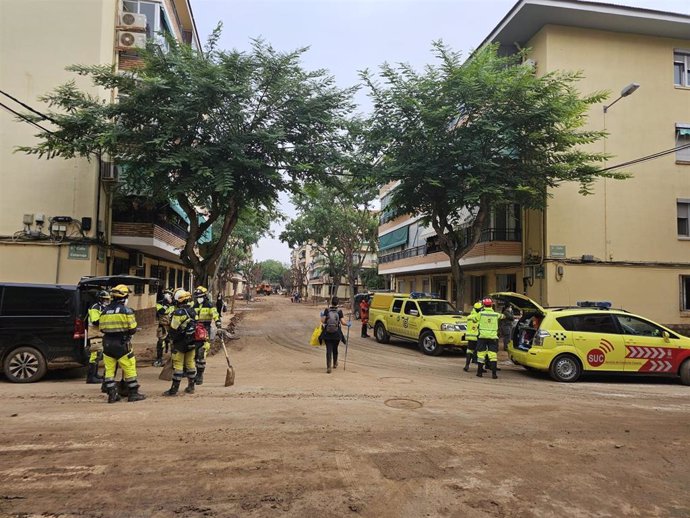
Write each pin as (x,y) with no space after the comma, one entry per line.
(488,302)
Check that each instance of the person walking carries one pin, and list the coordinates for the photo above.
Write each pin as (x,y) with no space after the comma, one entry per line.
(164,308)
(332,319)
(182,330)
(95,338)
(364,316)
(471,334)
(206,314)
(506,324)
(118,324)
(487,340)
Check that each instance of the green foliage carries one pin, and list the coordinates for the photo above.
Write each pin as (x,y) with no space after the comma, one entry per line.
(218,131)
(273,271)
(464,137)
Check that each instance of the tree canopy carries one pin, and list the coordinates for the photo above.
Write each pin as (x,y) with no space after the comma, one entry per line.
(217,131)
(463,137)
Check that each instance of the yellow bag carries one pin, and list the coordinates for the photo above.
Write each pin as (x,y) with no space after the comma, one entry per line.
(314,340)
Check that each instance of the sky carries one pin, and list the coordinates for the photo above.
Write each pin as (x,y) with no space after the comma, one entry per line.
(347,36)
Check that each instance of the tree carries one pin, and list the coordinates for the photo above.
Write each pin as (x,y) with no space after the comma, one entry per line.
(463,138)
(217,131)
(336,220)
(273,270)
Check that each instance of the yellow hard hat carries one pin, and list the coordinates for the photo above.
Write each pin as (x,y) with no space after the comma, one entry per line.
(182,296)
(200,291)
(119,292)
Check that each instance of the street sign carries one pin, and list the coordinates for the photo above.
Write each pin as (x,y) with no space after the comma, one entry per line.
(557,251)
(77,251)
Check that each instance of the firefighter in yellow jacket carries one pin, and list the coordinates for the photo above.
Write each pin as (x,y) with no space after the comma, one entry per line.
(206,313)
(118,324)
(182,330)
(487,340)
(471,334)
(95,339)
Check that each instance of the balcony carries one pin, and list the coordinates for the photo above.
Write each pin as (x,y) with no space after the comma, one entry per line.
(495,246)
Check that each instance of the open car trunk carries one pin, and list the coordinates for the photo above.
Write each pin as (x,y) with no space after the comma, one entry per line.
(90,286)
(532,314)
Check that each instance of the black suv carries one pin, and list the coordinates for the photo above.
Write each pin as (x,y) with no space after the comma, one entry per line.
(42,325)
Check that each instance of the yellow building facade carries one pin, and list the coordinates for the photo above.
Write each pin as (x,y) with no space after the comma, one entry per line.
(56,219)
(629,242)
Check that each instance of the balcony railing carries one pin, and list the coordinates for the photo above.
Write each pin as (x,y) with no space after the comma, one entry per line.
(489,234)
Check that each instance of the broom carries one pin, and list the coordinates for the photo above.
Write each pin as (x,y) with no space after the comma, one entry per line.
(167,372)
(347,340)
(230,374)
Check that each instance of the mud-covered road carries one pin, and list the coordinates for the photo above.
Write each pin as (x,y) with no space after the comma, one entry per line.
(396,434)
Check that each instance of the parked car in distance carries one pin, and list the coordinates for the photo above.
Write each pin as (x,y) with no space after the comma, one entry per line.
(432,323)
(42,325)
(592,337)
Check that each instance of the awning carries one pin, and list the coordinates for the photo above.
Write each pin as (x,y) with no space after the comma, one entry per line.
(396,238)
(207,236)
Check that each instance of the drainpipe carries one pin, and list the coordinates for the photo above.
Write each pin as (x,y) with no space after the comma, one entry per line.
(57,265)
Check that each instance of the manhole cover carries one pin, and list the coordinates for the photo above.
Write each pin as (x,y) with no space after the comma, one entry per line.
(406,404)
(395,379)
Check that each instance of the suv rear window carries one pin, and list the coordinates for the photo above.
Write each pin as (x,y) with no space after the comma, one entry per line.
(589,323)
(30,301)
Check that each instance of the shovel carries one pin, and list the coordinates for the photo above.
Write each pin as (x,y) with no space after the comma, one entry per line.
(230,374)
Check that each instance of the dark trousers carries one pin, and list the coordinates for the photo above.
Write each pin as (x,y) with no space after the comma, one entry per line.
(364,331)
(332,352)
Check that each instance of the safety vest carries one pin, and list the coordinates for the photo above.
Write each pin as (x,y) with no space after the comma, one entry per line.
(182,322)
(94,313)
(472,325)
(488,324)
(206,312)
(117,318)
(163,312)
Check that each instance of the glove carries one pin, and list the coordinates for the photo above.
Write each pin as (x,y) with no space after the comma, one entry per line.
(349,324)
(219,324)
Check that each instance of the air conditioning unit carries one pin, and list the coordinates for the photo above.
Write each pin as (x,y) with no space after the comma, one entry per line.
(131,40)
(133,20)
(109,172)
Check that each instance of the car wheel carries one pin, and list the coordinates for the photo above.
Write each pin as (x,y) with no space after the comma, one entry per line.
(25,365)
(565,368)
(685,372)
(380,333)
(429,345)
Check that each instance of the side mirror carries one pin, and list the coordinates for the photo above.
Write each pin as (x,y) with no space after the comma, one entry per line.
(666,336)
(414,313)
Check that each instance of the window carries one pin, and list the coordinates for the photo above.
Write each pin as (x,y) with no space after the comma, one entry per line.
(171,279)
(179,279)
(681,68)
(157,20)
(589,323)
(410,307)
(120,266)
(683,219)
(160,273)
(477,287)
(506,282)
(139,288)
(397,304)
(685,292)
(187,281)
(40,302)
(683,142)
(636,326)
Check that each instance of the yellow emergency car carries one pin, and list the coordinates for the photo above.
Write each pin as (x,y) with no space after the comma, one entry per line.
(593,338)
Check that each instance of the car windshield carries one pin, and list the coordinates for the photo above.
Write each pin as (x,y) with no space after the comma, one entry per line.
(437,307)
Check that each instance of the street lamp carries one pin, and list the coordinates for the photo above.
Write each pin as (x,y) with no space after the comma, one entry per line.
(626,91)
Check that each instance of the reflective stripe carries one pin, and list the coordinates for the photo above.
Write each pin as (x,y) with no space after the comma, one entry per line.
(488,324)
(472,325)
(117,318)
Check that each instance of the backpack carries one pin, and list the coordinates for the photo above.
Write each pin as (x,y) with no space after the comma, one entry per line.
(332,321)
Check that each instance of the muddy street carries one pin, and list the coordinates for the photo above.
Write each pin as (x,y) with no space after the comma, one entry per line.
(395,434)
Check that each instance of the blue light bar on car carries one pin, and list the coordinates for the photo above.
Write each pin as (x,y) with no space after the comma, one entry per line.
(602,304)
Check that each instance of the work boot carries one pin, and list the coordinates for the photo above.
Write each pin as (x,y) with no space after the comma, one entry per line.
(199,380)
(92,376)
(468,360)
(158,362)
(134,394)
(328,368)
(493,370)
(190,386)
(480,369)
(172,391)
(335,364)
(113,396)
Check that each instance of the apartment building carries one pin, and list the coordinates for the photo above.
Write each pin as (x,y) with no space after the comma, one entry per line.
(58,221)
(629,242)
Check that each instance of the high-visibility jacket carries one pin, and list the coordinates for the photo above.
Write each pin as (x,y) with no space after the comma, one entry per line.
(117,318)
(182,324)
(206,312)
(163,312)
(488,324)
(472,325)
